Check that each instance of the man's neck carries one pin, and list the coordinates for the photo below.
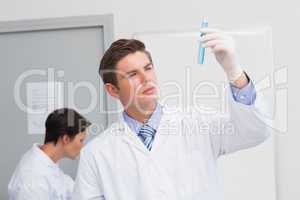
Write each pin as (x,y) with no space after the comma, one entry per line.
(141,116)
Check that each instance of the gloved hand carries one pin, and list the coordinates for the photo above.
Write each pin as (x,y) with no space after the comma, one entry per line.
(223,47)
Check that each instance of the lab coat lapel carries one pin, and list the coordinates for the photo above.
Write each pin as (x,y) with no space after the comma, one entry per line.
(131,138)
(168,125)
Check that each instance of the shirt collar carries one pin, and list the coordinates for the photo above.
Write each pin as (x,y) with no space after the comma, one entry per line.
(153,120)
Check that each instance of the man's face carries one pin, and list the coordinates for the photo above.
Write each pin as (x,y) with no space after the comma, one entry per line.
(137,82)
(73,147)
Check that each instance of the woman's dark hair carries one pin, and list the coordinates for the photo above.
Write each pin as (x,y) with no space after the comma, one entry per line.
(62,122)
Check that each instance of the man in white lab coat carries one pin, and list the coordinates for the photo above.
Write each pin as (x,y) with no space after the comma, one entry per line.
(38,175)
(154,153)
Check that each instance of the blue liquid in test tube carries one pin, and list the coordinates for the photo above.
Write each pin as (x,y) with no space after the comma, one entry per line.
(201,51)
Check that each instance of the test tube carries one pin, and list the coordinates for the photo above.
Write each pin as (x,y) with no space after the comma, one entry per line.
(201,51)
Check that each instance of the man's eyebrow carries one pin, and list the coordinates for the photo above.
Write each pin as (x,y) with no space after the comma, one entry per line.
(150,63)
(135,70)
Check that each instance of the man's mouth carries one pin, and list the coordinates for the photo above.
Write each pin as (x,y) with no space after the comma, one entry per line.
(149,91)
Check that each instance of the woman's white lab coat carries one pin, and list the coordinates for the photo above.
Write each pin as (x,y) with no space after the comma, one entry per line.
(37,177)
(182,163)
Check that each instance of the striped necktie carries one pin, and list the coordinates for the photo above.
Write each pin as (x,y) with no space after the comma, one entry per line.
(146,134)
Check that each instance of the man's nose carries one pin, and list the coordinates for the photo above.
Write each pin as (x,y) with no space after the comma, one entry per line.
(145,77)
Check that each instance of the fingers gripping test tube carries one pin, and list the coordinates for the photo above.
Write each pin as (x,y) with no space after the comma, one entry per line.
(201,51)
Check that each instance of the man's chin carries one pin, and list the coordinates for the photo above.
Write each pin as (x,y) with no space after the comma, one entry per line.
(147,103)
(148,99)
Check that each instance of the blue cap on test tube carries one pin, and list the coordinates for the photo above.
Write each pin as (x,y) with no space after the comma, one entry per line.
(201,50)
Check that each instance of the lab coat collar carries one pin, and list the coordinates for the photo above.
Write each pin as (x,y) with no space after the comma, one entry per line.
(43,157)
(121,129)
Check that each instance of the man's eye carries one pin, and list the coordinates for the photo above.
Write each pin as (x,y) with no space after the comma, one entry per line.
(149,67)
(132,74)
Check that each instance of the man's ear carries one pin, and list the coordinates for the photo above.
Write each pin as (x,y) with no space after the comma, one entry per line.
(112,90)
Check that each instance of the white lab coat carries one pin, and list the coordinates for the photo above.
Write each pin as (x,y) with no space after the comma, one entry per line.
(37,177)
(182,163)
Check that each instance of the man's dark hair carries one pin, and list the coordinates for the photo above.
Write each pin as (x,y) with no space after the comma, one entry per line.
(118,50)
(62,122)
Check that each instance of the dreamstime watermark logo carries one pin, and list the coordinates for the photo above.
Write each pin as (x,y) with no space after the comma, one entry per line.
(187,97)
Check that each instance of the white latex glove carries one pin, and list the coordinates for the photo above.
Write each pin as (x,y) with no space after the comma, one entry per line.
(223,46)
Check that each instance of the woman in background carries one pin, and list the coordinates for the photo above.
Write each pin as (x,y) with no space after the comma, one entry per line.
(38,175)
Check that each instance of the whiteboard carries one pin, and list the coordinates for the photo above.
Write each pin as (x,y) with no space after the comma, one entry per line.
(248,174)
